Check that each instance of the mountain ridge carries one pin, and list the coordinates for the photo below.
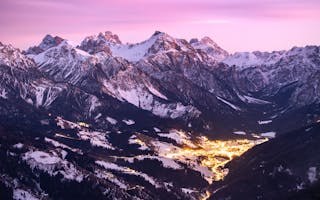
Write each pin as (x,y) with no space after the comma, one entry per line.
(165,59)
(93,117)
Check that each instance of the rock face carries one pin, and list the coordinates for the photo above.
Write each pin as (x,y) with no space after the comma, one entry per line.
(210,48)
(12,57)
(269,72)
(47,42)
(85,114)
(100,43)
(196,82)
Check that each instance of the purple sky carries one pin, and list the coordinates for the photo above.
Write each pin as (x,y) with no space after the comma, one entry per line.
(236,25)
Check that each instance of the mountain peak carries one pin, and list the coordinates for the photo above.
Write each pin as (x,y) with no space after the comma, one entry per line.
(50,40)
(207,40)
(162,35)
(193,40)
(47,42)
(47,37)
(158,33)
(162,42)
(108,36)
(206,44)
(134,52)
(13,57)
(100,43)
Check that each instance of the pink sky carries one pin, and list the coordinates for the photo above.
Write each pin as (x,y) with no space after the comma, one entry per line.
(236,25)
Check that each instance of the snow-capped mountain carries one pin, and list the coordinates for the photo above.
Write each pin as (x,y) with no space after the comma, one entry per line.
(94,44)
(65,62)
(210,48)
(47,42)
(94,116)
(297,68)
(12,57)
(208,85)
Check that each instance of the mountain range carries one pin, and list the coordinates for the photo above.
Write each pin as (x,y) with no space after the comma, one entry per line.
(153,120)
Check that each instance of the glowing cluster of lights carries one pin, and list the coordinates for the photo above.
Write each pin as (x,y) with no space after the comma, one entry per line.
(83,124)
(206,195)
(213,154)
(138,141)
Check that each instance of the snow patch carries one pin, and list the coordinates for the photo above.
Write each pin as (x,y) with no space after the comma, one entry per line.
(166,162)
(96,138)
(178,136)
(18,146)
(252,100)
(270,134)
(229,104)
(206,173)
(300,186)
(156,92)
(97,116)
(94,103)
(264,122)
(65,124)
(129,122)
(126,170)
(83,53)
(110,177)
(20,194)
(247,59)
(52,164)
(134,140)
(187,190)
(312,174)
(111,120)
(4,94)
(163,148)
(132,52)
(239,132)
(58,144)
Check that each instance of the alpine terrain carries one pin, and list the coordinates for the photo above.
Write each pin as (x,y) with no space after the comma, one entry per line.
(165,118)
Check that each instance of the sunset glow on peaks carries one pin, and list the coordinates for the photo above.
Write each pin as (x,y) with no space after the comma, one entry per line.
(236,25)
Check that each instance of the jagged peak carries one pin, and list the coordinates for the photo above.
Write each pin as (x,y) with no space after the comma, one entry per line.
(161,35)
(208,40)
(100,43)
(131,52)
(47,42)
(158,33)
(108,36)
(163,42)
(193,40)
(207,45)
(65,48)
(47,37)
(103,37)
(158,42)
(7,48)
(13,57)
